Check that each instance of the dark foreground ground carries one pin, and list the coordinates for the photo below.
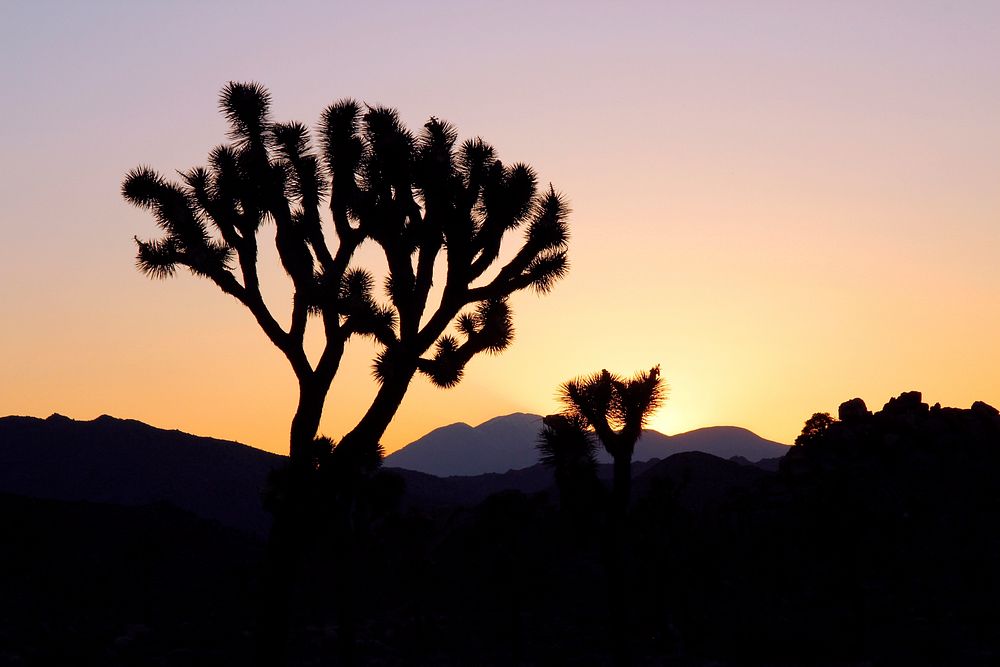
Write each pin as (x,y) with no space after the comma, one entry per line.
(876,543)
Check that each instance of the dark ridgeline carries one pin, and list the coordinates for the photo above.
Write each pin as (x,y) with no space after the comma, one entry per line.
(420,198)
(126,462)
(874,544)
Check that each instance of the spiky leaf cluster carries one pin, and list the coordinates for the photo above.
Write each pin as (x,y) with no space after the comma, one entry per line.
(489,328)
(415,195)
(616,408)
(186,239)
(565,444)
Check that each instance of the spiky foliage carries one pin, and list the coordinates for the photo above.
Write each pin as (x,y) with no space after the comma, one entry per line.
(615,407)
(565,444)
(568,448)
(418,196)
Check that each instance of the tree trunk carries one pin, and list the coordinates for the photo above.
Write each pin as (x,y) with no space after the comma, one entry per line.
(390,395)
(305,423)
(621,488)
(617,584)
(367,433)
(287,532)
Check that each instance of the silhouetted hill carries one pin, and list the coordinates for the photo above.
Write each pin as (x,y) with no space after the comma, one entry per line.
(705,474)
(430,491)
(770,465)
(696,481)
(126,462)
(508,443)
(722,441)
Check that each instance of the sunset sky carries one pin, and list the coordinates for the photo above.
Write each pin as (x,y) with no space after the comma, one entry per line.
(785,204)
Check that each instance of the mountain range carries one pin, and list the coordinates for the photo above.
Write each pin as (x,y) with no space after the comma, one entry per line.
(126,462)
(509,443)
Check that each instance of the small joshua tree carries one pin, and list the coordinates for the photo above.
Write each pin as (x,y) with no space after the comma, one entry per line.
(615,409)
(566,446)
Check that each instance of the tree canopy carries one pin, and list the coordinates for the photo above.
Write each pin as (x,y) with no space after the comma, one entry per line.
(425,199)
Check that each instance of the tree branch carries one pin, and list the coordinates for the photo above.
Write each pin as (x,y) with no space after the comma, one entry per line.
(249,295)
(510,278)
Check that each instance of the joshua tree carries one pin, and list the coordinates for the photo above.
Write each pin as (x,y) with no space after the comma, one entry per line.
(439,211)
(414,196)
(565,445)
(616,409)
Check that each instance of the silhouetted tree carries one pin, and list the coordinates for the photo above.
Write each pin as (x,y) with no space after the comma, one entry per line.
(565,445)
(814,428)
(433,207)
(617,409)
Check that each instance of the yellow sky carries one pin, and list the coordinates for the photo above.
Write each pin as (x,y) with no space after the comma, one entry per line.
(785,207)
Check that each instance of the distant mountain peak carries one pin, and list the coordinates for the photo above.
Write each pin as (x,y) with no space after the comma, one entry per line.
(722,427)
(514,416)
(508,442)
(108,419)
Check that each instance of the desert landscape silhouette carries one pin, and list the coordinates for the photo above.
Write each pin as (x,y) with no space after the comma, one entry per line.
(740,233)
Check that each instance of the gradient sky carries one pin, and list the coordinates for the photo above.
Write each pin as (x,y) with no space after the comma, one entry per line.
(786,204)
